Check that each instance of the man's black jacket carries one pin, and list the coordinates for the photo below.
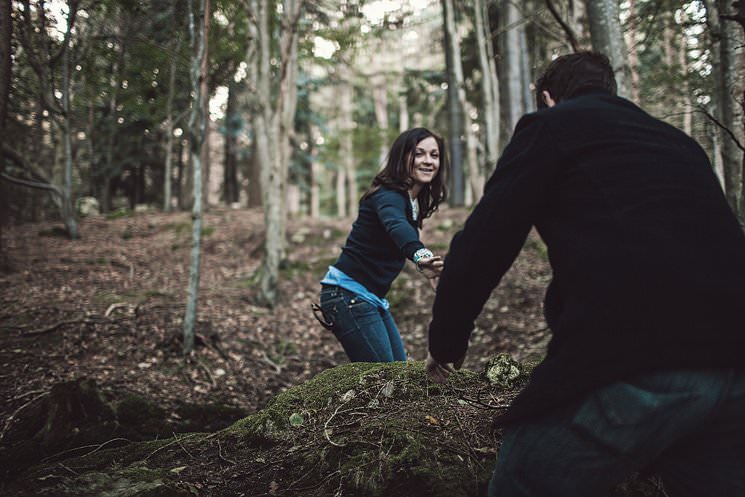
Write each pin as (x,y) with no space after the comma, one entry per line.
(648,259)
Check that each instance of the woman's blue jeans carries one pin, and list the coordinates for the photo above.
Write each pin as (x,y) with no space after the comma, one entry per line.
(367,332)
(686,426)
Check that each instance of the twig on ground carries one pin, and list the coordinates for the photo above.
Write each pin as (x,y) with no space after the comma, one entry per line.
(115,306)
(32,392)
(482,404)
(75,473)
(97,448)
(465,439)
(219,453)
(326,428)
(181,445)
(207,371)
(53,327)
(265,359)
(158,450)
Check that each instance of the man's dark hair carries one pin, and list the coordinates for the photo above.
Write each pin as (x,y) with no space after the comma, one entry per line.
(572,74)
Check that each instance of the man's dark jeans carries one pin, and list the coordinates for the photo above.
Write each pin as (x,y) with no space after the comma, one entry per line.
(686,426)
(367,332)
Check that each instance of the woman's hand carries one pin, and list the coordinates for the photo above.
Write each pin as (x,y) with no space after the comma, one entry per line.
(431,267)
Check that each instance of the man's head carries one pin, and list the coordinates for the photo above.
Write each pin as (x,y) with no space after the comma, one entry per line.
(569,75)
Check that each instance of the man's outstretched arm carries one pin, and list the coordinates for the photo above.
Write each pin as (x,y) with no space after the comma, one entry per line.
(492,237)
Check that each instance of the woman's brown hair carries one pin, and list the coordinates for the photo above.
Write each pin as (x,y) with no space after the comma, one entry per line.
(396,174)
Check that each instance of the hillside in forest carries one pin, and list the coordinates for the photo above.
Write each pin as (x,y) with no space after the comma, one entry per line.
(94,326)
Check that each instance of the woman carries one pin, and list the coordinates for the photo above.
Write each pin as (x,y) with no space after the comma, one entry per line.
(385,234)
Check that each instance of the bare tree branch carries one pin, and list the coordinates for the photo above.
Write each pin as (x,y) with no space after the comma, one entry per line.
(724,128)
(571,37)
(30,184)
(739,17)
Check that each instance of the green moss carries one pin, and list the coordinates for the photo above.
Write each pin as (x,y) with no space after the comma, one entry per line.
(119,214)
(272,423)
(250,282)
(134,297)
(292,269)
(179,228)
(281,350)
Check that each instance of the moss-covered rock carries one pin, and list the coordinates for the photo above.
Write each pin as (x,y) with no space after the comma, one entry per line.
(505,372)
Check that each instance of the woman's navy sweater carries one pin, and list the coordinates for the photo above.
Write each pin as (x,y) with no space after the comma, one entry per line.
(382,238)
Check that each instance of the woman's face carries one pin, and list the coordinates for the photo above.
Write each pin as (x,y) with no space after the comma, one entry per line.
(426,161)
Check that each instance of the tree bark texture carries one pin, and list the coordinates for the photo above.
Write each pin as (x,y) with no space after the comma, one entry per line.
(728,92)
(267,129)
(607,37)
(167,187)
(6,29)
(490,110)
(67,202)
(455,104)
(346,146)
(206,92)
(287,107)
(232,128)
(380,106)
(631,41)
(197,134)
(510,68)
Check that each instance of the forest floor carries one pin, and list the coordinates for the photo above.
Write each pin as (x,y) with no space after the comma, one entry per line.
(109,307)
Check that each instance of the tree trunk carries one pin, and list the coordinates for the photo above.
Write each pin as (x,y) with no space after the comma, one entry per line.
(633,55)
(475,186)
(315,194)
(403,114)
(490,110)
(607,37)
(510,77)
(197,135)
(686,92)
(109,170)
(6,27)
(167,194)
(455,106)
(232,128)
(526,78)
(253,189)
(68,211)
(286,108)
(205,90)
(257,76)
(179,172)
(578,23)
(266,129)
(732,89)
(727,81)
(380,104)
(346,148)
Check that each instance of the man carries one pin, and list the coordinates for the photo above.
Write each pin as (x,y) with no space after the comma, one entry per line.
(646,366)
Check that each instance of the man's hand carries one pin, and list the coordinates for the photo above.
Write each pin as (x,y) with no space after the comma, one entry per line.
(439,371)
(431,267)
